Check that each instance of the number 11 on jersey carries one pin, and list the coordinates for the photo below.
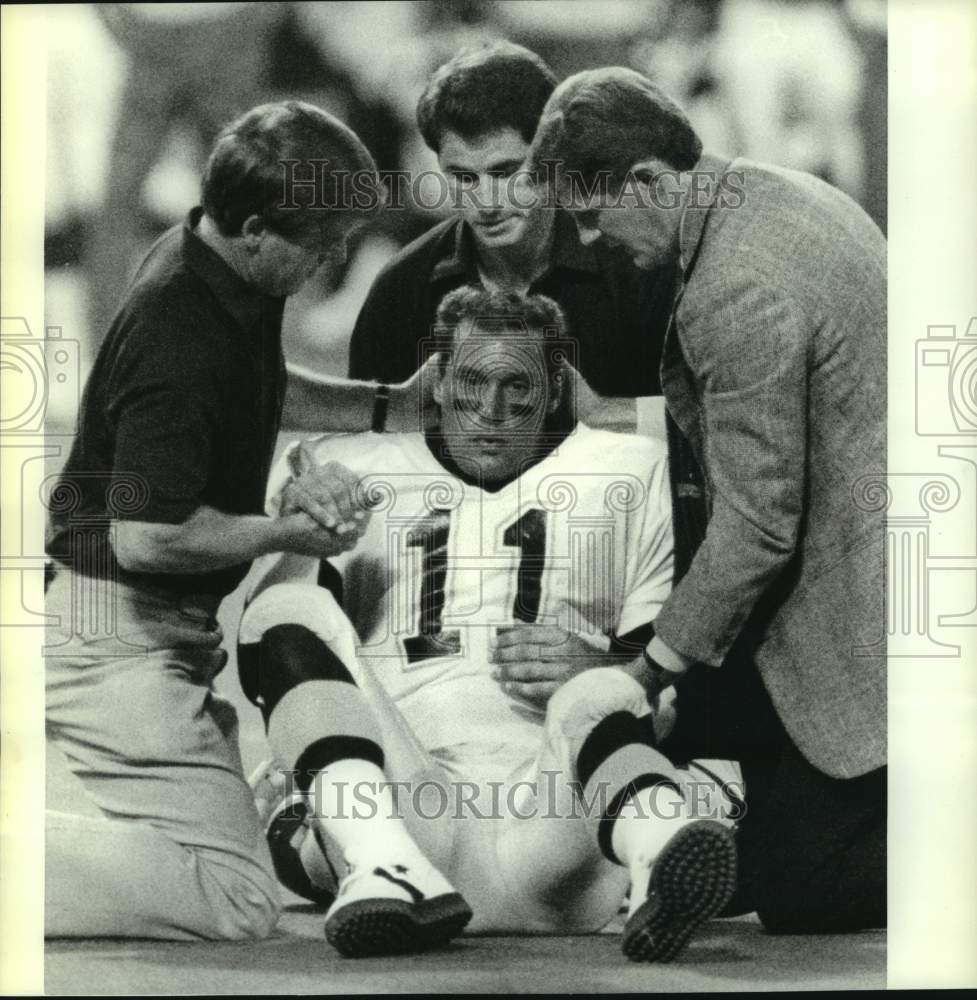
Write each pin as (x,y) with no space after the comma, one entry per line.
(432,536)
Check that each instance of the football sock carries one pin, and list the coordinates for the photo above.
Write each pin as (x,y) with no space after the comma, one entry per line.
(645,823)
(353,800)
(636,788)
(342,772)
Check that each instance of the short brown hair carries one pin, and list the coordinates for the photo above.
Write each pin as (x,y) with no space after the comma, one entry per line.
(484,89)
(248,170)
(601,122)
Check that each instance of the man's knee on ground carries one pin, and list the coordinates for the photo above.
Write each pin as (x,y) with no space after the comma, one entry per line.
(592,695)
(292,633)
(244,907)
(802,906)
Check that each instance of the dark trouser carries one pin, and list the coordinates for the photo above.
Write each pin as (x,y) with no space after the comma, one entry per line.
(812,848)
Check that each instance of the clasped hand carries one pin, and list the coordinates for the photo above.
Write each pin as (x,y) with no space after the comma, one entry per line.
(325,504)
(532,661)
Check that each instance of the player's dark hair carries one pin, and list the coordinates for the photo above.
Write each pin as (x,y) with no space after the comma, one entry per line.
(483,89)
(599,123)
(494,311)
(265,164)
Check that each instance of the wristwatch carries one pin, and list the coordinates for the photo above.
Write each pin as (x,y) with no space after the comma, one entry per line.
(381,401)
(661,677)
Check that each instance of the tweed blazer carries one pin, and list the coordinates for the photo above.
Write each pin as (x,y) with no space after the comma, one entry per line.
(774,369)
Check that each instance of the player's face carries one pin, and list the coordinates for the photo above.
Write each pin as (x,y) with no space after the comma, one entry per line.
(632,220)
(281,265)
(480,175)
(494,397)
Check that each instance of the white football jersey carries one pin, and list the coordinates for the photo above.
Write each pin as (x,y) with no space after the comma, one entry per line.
(581,540)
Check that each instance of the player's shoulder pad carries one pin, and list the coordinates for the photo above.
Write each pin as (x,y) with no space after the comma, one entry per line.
(615,450)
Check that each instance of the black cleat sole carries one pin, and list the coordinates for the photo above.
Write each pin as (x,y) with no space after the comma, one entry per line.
(373,927)
(691,881)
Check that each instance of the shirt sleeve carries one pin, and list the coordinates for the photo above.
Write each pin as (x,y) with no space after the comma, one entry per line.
(167,429)
(747,347)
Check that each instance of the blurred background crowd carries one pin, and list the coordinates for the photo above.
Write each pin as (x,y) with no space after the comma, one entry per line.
(137,93)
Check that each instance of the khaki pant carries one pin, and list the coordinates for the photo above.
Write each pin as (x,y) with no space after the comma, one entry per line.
(180,853)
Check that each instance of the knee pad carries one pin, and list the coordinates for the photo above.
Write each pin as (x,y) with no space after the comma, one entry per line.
(302,631)
(300,604)
(591,696)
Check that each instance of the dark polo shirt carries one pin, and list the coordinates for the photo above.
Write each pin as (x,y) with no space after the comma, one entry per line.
(181,410)
(617,315)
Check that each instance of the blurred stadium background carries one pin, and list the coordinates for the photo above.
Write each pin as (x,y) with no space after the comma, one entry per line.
(136,93)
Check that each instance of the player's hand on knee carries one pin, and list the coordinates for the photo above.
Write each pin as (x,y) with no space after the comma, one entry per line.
(532,661)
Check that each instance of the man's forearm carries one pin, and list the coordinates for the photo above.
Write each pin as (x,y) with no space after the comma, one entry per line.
(319,403)
(640,415)
(328,403)
(658,668)
(625,414)
(208,540)
(611,413)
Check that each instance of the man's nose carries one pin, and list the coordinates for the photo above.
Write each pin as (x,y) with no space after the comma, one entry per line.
(494,406)
(588,234)
(491,192)
(338,254)
(524,192)
(334,258)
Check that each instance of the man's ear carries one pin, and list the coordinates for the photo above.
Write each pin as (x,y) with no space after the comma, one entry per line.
(647,170)
(558,387)
(437,384)
(663,184)
(253,231)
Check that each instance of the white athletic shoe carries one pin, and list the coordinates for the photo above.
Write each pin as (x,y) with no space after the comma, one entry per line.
(394,908)
(306,861)
(689,881)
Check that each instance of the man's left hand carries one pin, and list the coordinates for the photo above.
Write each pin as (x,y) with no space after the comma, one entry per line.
(328,493)
(532,661)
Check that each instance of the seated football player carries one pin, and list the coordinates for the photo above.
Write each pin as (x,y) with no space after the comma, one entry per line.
(454,729)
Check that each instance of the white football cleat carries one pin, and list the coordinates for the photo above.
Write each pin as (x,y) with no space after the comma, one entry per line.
(394,908)
(689,881)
